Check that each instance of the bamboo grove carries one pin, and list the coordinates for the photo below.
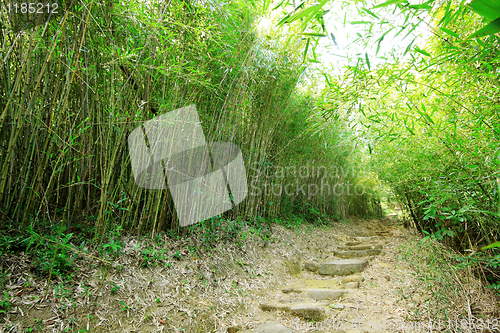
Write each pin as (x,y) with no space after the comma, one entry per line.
(72,89)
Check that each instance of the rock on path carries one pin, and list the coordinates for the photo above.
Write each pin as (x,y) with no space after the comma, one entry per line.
(316,298)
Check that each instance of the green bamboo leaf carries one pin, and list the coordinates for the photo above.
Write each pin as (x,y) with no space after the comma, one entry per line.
(284,19)
(277,6)
(313,14)
(419,50)
(312,34)
(496,244)
(333,39)
(378,46)
(449,32)
(422,6)
(491,28)
(306,49)
(301,5)
(360,22)
(327,80)
(301,14)
(367,61)
(409,47)
(388,3)
(486,8)
(370,12)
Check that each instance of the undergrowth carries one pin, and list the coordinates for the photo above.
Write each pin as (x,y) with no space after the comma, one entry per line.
(455,292)
(52,250)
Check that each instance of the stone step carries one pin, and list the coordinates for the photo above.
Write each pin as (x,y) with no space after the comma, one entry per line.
(350,285)
(367,239)
(343,267)
(306,310)
(269,327)
(352,278)
(356,254)
(310,312)
(362,247)
(320,294)
(344,282)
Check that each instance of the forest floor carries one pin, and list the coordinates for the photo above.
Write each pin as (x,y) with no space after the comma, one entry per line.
(178,285)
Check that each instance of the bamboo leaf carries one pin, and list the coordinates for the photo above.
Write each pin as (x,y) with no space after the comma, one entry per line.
(333,39)
(301,14)
(449,32)
(494,245)
(491,28)
(360,22)
(388,3)
(313,34)
(370,12)
(284,19)
(313,14)
(306,49)
(419,50)
(489,9)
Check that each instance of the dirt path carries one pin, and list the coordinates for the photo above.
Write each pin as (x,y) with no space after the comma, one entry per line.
(256,280)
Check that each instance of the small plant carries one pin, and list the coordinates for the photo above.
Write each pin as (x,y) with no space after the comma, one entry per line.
(177,255)
(5,303)
(125,307)
(114,288)
(113,248)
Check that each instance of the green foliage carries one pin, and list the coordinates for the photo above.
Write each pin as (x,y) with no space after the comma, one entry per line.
(65,143)
(150,256)
(114,288)
(114,245)
(429,121)
(489,10)
(5,303)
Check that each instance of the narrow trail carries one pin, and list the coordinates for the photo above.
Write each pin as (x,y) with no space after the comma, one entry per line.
(358,291)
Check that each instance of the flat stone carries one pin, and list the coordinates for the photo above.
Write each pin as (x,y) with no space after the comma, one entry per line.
(351,285)
(363,247)
(311,266)
(343,267)
(270,327)
(352,278)
(324,294)
(311,312)
(274,307)
(319,294)
(367,239)
(337,306)
(233,329)
(291,301)
(315,311)
(357,254)
(293,266)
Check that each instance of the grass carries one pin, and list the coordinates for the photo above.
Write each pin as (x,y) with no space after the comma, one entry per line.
(454,291)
